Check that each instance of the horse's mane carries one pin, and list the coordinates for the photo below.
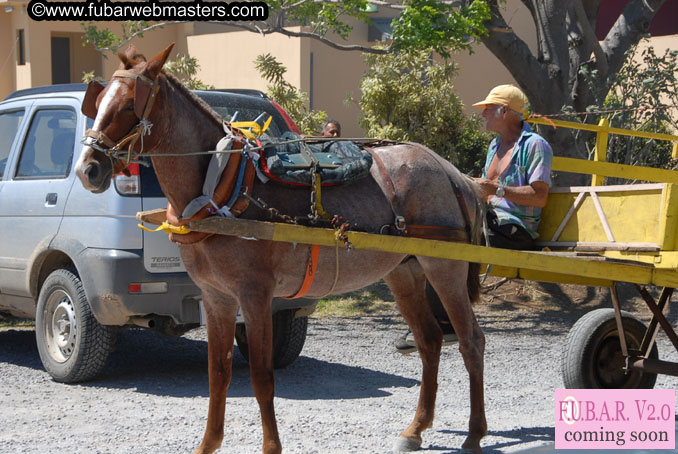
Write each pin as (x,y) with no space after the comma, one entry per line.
(199,103)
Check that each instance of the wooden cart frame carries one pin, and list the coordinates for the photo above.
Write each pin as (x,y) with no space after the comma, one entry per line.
(594,235)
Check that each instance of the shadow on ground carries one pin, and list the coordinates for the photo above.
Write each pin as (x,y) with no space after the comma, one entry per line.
(154,364)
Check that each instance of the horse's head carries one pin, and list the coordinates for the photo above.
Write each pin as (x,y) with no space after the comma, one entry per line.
(120,112)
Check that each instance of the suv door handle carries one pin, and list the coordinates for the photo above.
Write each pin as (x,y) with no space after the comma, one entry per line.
(51,199)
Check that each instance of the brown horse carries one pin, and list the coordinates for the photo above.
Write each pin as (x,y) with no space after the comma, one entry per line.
(233,271)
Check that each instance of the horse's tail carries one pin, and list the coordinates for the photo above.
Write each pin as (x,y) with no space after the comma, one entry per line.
(476,228)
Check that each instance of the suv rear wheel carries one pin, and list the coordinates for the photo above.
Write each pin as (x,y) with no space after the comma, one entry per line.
(73,346)
(289,336)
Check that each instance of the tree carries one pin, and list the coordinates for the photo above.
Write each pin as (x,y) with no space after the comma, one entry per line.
(646,80)
(553,78)
(292,100)
(407,96)
(184,67)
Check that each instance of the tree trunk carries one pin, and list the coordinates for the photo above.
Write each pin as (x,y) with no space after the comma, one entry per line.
(551,79)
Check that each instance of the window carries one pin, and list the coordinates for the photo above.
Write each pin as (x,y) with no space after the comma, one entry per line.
(380,29)
(48,149)
(21,47)
(9,126)
(61,60)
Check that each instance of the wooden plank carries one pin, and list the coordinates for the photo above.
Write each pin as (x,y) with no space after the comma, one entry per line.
(668,219)
(155,217)
(601,215)
(610,169)
(610,188)
(430,248)
(609,130)
(601,246)
(545,276)
(575,206)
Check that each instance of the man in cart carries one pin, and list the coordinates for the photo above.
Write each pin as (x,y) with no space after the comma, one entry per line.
(515,186)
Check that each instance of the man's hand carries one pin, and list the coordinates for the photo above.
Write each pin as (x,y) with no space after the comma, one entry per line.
(488,187)
(534,195)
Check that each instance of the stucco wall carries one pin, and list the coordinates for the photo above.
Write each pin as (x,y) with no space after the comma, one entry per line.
(226,59)
(7,57)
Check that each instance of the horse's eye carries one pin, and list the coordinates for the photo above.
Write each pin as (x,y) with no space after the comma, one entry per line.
(128,108)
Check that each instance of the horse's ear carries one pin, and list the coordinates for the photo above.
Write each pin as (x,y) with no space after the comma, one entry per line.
(130,57)
(156,63)
(89,103)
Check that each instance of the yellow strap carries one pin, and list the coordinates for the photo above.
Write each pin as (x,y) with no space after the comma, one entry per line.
(168,228)
(318,204)
(256,129)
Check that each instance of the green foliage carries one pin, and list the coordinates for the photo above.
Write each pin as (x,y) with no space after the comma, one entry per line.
(648,82)
(90,76)
(439,26)
(185,68)
(294,101)
(105,39)
(408,97)
(325,17)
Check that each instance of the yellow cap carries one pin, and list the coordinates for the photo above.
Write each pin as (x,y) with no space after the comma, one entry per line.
(506,95)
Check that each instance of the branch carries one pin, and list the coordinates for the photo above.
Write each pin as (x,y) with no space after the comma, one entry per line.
(301,34)
(632,23)
(324,40)
(135,34)
(591,39)
(516,56)
(401,7)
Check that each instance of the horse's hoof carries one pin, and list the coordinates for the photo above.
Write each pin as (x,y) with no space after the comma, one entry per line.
(403,444)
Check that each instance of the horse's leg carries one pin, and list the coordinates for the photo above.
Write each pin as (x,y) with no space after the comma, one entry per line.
(454,296)
(220,314)
(407,283)
(259,325)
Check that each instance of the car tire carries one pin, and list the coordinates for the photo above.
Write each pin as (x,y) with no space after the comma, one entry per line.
(592,357)
(73,346)
(289,336)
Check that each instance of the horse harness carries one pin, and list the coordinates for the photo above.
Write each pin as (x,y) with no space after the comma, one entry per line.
(145,94)
(239,173)
(428,232)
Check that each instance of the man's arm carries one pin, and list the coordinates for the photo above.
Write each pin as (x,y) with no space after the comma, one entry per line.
(534,195)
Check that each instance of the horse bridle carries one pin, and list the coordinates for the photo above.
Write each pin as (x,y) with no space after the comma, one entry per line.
(101,142)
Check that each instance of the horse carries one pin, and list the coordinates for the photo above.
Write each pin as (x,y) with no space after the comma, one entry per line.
(237,272)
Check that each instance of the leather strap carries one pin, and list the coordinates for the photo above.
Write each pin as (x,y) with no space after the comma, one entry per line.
(430,232)
(437,232)
(242,203)
(309,275)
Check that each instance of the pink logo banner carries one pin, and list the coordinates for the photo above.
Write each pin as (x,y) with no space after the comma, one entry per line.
(615,419)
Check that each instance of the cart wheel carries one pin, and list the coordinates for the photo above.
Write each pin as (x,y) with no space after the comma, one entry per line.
(593,359)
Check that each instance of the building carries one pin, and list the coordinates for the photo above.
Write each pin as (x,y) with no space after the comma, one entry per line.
(41,53)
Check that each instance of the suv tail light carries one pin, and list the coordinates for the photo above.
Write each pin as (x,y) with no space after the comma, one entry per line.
(129,185)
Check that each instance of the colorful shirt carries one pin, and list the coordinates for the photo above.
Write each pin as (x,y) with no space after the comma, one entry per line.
(531,160)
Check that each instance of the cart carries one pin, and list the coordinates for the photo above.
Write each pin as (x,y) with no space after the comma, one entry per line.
(591,235)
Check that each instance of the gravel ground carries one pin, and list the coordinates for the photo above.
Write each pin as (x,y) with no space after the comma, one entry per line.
(349,392)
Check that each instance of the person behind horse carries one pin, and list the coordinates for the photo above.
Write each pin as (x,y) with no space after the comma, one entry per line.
(331,129)
(515,185)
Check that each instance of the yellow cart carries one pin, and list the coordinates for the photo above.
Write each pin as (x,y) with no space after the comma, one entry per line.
(592,235)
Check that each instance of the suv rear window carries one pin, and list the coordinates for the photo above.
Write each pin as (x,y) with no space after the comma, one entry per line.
(248,108)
